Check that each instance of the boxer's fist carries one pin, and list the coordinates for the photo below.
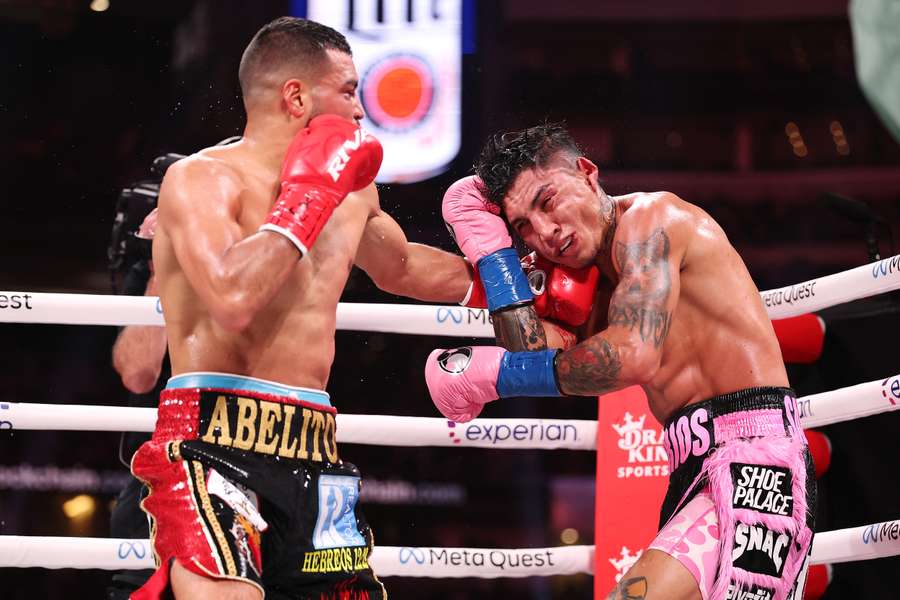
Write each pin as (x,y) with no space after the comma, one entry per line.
(473,221)
(462,380)
(327,160)
(481,234)
(561,293)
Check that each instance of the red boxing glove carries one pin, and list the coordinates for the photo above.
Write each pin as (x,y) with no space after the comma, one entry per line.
(561,293)
(820,449)
(801,338)
(326,161)
(475,297)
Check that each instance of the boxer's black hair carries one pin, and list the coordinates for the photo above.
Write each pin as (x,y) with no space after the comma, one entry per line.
(505,155)
(288,40)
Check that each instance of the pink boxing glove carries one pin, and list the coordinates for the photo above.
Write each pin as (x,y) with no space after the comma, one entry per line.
(462,380)
(482,236)
(474,223)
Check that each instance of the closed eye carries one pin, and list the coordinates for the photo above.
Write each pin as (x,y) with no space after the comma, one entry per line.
(523,228)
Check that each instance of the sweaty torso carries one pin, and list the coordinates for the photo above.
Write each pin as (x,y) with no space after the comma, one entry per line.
(720,338)
(292,339)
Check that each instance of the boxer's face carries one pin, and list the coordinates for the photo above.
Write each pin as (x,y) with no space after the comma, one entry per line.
(335,91)
(555,209)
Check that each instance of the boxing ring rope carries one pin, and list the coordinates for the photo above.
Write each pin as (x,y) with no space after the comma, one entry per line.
(816,410)
(96,309)
(878,540)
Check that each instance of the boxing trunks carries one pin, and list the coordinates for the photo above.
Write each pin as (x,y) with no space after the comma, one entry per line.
(245,484)
(739,512)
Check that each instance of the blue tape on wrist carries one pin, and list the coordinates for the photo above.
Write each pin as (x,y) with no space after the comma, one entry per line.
(505,283)
(527,374)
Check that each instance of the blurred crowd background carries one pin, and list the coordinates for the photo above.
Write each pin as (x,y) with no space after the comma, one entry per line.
(752,110)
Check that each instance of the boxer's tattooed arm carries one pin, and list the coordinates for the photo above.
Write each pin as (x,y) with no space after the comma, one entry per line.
(639,303)
(518,329)
(589,369)
(633,588)
(640,300)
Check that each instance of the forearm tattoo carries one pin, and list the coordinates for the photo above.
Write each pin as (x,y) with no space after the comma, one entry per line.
(518,329)
(639,302)
(589,369)
(633,588)
(567,338)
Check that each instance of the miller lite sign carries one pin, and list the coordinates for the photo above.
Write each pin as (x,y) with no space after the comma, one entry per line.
(409,57)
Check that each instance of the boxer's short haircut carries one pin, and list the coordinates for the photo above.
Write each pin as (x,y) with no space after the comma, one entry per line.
(507,154)
(300,43)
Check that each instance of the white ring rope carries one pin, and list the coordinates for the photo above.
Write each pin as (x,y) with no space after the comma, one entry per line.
(378,430)
(816,410)
(99,309)
(831,290)
(878,540)
(96,309)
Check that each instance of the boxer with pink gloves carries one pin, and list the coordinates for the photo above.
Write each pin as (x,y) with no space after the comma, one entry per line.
(677,313)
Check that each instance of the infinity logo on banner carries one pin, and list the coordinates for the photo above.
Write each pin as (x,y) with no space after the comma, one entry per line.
(449,313)
(128,548)
(411,553)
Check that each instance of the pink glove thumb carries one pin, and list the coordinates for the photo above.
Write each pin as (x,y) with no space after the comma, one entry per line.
(462,380)
(474,222)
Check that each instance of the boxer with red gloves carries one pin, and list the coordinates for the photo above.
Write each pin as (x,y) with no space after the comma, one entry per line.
(682,319)
(244,445)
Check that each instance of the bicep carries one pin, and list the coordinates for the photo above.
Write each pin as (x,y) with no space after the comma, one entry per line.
(383,250)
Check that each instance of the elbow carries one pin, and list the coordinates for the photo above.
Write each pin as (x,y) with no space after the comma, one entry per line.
(640,365)
(393,285)
(232,313)
(231,307)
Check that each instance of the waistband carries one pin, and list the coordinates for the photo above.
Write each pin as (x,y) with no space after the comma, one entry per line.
(693,431)
(243,414)
(242,383)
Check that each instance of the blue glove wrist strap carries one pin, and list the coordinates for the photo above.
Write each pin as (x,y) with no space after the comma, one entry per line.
(505,283)
(527,374)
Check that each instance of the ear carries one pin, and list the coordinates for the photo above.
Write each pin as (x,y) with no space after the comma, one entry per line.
(590,172)
(295,96)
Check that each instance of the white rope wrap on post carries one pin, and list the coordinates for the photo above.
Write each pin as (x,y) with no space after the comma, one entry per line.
(845,404)
(379,430)
(453,321)
(98,309)
(849,403)
(387,561)
(878,540)
(831,290)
